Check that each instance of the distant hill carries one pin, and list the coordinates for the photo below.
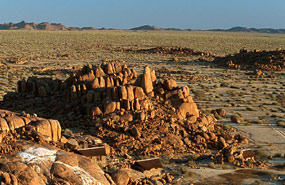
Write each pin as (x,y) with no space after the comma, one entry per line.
(146,27)
(89,28)
(255,30)
(33,26)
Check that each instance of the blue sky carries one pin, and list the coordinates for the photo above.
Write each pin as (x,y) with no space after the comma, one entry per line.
(194,14)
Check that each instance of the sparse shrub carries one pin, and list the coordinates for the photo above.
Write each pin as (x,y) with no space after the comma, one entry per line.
(281,99)
(211,165)
(189,174)
(226,166)
(249,108)
(248,123)
(234,87)
(224,84)
(277,155)
(274,116)
(281,123)
(68,132)
(226,127)
(192,163)
(232,93)
(259,154)
(259,122)
(200,95)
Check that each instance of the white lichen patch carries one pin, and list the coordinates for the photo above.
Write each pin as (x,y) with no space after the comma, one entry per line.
(44,158)
(86,178)
(34,155)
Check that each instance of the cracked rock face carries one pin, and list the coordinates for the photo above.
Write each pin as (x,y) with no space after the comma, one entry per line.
(40,165)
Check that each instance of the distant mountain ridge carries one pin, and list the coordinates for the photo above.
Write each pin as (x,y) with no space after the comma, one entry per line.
(233,29)
(256,30)
(57,26)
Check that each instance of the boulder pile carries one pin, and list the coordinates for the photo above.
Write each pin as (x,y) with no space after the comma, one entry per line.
(175,50)
(135,114)
(257,59)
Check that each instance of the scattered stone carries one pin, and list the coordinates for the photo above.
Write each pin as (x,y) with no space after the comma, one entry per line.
(121,177)
(221,112)
(235,119)
(94,151)
(147,164)
(72,144)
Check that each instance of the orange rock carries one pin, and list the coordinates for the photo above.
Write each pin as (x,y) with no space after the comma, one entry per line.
(188,108)
(102,82)
(123,93)
(96,111)
(130,91)
(146,83)
(4,125)
(95,83)
(56,130)
(110,107)
(139,93)
(169,84)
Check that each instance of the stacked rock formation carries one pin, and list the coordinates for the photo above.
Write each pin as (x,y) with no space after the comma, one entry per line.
(111,87)
(257,59)
(41,87)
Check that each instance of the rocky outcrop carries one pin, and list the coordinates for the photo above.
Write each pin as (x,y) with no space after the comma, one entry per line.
(136,114)
(11,122)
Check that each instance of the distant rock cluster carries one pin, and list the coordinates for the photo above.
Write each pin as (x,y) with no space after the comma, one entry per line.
(256,60)
(178,51)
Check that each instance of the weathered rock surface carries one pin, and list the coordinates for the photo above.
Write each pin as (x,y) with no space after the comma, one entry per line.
(40,165)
